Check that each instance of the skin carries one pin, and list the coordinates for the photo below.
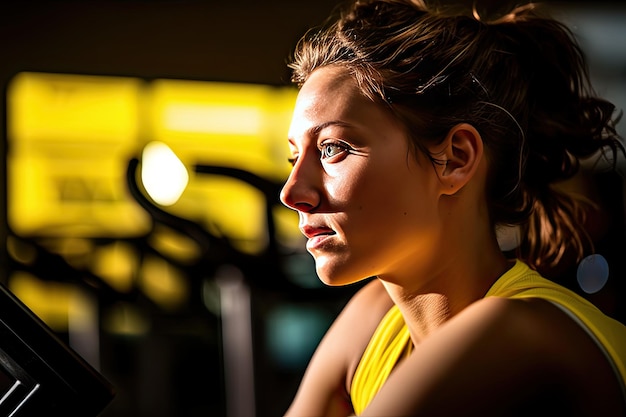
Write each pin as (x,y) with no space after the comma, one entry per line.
(371,208)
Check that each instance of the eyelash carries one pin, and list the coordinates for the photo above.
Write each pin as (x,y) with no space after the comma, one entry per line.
(342,148)
(330,144)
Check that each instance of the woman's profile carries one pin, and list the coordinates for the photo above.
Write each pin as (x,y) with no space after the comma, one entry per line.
(420,131)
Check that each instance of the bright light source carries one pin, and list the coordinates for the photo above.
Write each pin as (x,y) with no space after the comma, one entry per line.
(163,175)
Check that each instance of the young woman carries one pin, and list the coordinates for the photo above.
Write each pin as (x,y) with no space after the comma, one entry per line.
(416,135)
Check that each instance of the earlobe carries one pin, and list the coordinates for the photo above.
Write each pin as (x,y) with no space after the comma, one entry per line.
(463,151)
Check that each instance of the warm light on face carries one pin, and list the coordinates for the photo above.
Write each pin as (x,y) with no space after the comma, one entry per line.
(163,175)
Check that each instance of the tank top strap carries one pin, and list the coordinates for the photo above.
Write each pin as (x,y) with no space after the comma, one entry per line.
(390,343)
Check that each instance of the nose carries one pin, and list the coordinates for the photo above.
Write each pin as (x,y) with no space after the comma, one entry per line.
(301,190)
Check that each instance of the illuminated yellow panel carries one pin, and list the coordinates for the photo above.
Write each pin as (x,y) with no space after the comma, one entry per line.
(227,207)
(225,124)
(238,125)
(73,108)
(70,138)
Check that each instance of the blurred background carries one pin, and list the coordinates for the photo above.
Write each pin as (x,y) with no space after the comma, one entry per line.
(144,149)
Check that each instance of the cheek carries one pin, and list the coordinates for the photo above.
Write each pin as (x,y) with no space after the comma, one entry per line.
(391,189)
(378,208)
(345,188)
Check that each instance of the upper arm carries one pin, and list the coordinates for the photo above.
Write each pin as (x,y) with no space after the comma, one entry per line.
(491,357)
(322,391)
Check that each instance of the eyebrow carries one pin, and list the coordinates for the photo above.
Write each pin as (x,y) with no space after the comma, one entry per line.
(315,130)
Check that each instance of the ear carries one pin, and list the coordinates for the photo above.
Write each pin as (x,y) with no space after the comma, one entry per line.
(461,155)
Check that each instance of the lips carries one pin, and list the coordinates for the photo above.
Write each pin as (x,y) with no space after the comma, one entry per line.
(314,231)
(317,236)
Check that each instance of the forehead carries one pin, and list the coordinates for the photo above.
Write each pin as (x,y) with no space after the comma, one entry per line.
(331,94)
(331,77)
(327,86)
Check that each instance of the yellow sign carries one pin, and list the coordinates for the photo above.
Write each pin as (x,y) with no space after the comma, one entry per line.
(70,138)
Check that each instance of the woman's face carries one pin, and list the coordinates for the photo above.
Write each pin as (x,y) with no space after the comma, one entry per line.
(366,204)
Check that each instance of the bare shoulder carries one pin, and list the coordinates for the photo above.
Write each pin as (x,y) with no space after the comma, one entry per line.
(556,351)
(323,390)
(500,355)
(535,324)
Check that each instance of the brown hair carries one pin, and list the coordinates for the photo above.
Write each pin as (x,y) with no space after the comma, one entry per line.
(520,79)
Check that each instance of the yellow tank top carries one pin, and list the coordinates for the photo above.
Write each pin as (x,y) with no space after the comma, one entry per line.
(391,343)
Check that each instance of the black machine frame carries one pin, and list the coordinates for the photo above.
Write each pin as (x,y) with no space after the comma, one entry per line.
(39,374)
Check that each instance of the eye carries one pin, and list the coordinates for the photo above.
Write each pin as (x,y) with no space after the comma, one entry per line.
(331,149)
(292,160)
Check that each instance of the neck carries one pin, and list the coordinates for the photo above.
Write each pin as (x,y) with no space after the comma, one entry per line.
(448,290)
(426,312)
(457,268)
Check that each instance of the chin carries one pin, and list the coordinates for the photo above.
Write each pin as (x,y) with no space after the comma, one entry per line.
(336,280)
(335,283)
(337,269)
